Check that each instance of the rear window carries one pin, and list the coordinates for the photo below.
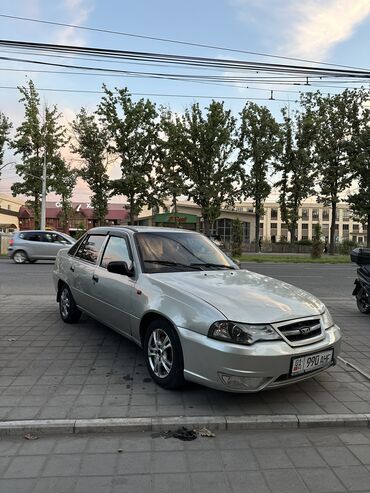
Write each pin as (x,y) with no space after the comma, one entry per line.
(31,236)
(90,248)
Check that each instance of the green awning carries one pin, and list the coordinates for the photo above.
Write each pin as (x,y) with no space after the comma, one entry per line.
(179,217)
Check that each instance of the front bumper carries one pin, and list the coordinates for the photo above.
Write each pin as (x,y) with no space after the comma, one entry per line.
(264,364)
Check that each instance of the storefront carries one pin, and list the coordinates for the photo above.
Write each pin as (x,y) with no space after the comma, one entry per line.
(179,219)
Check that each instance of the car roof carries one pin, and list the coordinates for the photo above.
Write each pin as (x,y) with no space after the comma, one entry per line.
(40,231)
(138,229)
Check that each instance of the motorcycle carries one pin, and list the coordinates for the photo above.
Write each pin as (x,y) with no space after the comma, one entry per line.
(361,256)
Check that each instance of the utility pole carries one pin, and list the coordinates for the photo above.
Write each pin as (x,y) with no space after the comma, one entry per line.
(43,193)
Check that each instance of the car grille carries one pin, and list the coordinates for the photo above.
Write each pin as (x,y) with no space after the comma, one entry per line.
(300,331)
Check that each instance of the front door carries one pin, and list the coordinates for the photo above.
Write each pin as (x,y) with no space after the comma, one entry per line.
(114,293)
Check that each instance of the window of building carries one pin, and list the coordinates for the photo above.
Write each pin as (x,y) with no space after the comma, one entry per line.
(345,231)
(273,232)
(356,227)
(9,207)
(325,214)
(274,213)
(360,240)
(305,226)
(90,248)
(337,214)
(304,215)
(346,214)
(117,249)
(315,214)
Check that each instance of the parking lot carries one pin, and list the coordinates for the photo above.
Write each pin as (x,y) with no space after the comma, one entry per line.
(53,370)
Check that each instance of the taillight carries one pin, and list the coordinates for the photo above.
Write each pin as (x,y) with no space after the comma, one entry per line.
(11,242)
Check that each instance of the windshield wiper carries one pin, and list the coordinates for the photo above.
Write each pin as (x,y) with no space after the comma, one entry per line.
(170,263)
(209,264)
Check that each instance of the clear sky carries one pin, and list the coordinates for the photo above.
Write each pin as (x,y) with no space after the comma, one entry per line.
(335,31)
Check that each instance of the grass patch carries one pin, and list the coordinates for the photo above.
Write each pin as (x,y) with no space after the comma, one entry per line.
(295,259)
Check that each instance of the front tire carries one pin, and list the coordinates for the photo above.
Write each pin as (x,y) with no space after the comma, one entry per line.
(20,257)
(163,354)
(362,304)
(67,307)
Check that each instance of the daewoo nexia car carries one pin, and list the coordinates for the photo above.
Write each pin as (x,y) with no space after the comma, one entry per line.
(196,315)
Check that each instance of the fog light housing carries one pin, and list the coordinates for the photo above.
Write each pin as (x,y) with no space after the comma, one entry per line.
(242,382)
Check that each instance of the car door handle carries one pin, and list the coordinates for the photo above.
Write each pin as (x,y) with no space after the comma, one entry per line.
(95,278)
(72,268)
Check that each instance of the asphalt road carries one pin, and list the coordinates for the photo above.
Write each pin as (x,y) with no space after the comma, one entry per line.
(25,279)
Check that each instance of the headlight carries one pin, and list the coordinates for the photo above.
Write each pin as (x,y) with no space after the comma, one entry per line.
(327,319)
(238,333)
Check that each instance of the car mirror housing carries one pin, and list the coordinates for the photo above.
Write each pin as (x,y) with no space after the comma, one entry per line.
(120,267)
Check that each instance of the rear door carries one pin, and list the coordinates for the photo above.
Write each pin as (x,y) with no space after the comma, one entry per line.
(54,243)
(82,268)
(114,293)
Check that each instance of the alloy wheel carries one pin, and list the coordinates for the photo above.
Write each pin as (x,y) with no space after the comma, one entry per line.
(160,353)
(20,257)
(65,303)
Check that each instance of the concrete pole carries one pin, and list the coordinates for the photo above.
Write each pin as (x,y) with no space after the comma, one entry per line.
(43,196)
(43,193)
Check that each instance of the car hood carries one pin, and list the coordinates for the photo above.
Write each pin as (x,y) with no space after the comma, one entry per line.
(244,296)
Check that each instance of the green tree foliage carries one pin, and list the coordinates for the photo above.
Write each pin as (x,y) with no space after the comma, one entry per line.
(64,186)
(36,136)
(91,144)
(258,144)
(207,144)
(169,174)
(336,121)
(317,243)
(237,237)
(5,126)
(133,128)
(360,201)
(294,165)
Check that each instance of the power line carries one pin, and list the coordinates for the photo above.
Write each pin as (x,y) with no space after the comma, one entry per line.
(206,62)
(173,41)
(194,96)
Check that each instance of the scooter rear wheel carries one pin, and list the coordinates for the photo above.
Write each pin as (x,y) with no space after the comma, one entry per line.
(362,304)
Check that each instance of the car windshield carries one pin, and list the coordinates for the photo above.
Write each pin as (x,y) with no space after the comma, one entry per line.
(174,252)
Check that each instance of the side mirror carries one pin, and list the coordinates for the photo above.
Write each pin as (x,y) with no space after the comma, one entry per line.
(119,267)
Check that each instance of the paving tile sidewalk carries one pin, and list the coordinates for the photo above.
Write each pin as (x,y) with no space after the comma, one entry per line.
(270,461)
(50,370)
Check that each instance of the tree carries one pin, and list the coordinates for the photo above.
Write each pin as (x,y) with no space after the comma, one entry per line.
(35,138)
(294,164)
(237,237)
(169,173)
(92,143)
(336,122)
(64,186)
(360,201)
(5,127)
(207,144)
(133,128)
(258,141)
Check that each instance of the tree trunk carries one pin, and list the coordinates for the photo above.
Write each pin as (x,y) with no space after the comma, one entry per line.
(36,211)
(368,231)
(332,228)
(206,226)
(174,203)
(132,214)
(257,232)
(292,233)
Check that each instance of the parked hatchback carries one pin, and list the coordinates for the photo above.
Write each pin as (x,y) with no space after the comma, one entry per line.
(196,315)
(37,245)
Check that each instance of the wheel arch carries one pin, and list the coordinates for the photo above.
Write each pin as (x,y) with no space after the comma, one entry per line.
(147,319)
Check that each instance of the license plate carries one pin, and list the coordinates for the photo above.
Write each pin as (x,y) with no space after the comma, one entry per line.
(311,362)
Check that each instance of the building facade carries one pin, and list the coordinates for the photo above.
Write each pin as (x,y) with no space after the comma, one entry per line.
(81,219)
(273,229)
(9,211)
(188,216)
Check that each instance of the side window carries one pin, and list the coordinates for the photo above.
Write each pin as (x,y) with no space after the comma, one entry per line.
(34,237)
(47,237)
(55,238)
(76,246)
(89,249)
(117,249)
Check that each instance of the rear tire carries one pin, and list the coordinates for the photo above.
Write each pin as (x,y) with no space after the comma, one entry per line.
(361,303)
(20,257)
(67,307)
(163,354)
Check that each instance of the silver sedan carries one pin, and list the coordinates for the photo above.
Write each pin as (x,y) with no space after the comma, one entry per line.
(196,315)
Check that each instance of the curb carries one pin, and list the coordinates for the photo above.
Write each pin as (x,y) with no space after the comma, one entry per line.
(223,423)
